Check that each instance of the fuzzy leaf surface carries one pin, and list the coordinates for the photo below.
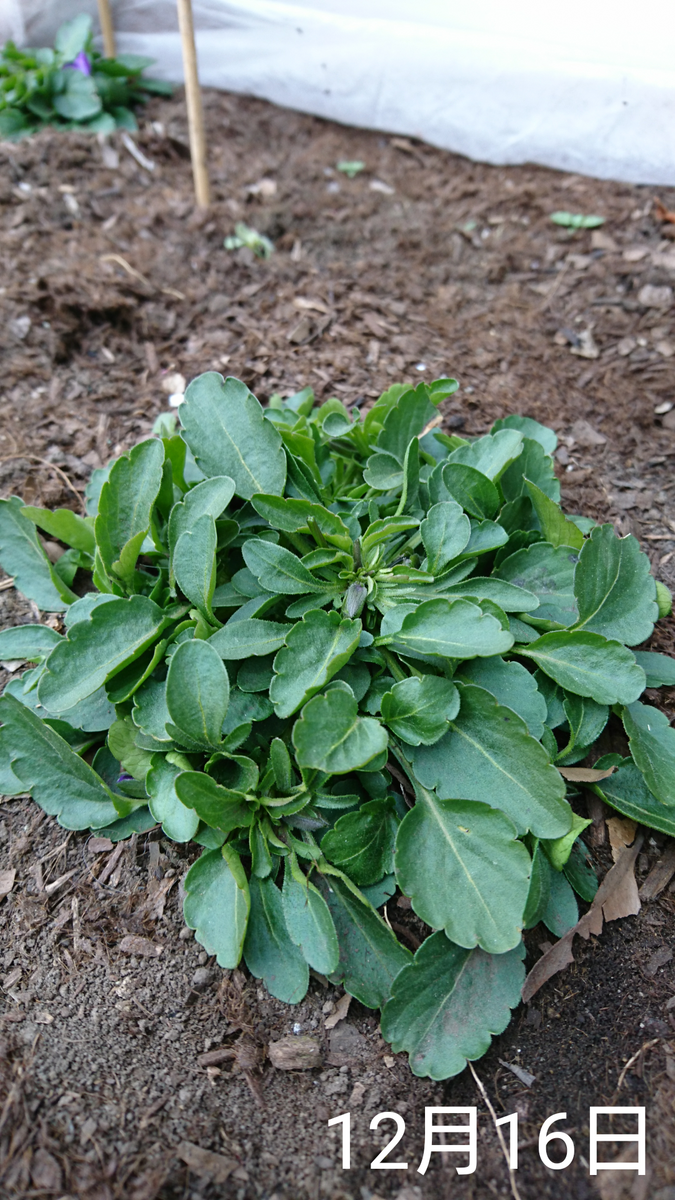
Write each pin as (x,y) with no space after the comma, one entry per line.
(61,782)
(652,744)
(489,754)
(269,953)
(445,533)
(249,638)
(627,792)
(31,643)
(615,591)
(418,710)
(178,822)
(226,430)
(217,903)
(97,648)
(548,572)
(316,648)
(362,843)
(588,664)
(194,563)
(309,923)
(451,629)
(278,570)
(125,506)
(331,736)
(449,1003)
(513,686)
(464,870)
(217,806)
(370,955)
(22,556)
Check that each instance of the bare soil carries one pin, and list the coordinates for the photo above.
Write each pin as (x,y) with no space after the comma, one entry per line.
(423,265)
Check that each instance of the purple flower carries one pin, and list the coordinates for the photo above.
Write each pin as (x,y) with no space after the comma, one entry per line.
(81,63)
(124,777)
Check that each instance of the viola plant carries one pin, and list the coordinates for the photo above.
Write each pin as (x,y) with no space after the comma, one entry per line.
(71,86)
(343,654)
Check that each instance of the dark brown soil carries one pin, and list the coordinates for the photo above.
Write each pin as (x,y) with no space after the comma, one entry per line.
(111,282)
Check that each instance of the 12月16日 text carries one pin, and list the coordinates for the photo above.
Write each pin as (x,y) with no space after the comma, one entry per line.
(455,1131)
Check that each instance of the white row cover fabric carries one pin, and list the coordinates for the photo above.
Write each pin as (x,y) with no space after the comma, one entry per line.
(584,86)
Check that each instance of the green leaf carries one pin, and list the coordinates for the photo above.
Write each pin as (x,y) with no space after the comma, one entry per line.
(122,744)
(362,843)
(280,762)
(535,465)
(513,686)
(61,782)
(22,556)
(659,668)
(125,506)
(370,955)
(559,849)
(485,536)
(96,649)
(79,99)
(226,430)
(579,872)
(178,822)
(627,792)
(464,870)
(418,710)
(470,488)
(247,638)
(198,692)
(451,629)
(615,592)
(150,713)
(331,736)
(30,643)
(554,524)
(64,525)
(509,597)
(217,806)
(540,888)
(279,570)
(589,665)
(269,953)
(194,563)
(308,920)
(449,1003)
(72,37)
(586,720)
(652,744)
(209,498)
(217,904)
(488,755)
(405,421)
(562,911)
(491,454)
(292,516)
(530,429)
(316,648)
(445,533)
(548,572)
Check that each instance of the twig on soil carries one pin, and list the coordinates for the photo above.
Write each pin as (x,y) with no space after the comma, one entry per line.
(512,1179)
(122,262)
(46,463)
(627,1066)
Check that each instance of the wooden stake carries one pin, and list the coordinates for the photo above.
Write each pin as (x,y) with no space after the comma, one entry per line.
(107,28)
(194,104)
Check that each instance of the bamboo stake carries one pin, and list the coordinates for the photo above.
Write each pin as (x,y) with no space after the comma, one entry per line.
(194,104)
(107,28)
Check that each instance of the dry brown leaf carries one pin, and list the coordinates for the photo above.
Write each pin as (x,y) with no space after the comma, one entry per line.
(616,897)
(341,1010)
(140,945)
(660,875)
(585,774)
(6,882)
(622,832)
(215,1167)
(663,213)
